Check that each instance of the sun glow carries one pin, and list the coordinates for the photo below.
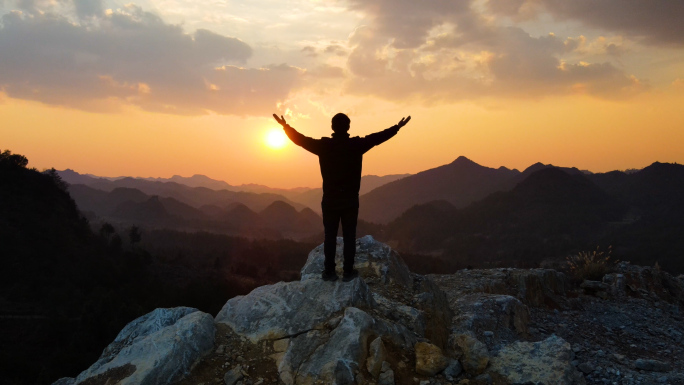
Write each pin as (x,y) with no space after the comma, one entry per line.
(276,139)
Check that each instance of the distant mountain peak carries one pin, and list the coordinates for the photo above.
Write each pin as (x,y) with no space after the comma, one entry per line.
(463,160)
(279,209)
(536,167)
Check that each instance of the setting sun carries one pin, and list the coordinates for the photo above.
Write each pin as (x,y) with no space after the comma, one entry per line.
(276,138)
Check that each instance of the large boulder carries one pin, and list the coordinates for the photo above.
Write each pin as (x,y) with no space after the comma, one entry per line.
(502,316)
(158,348)
(376,356)
(475,356)
(333,355)
(543,362)
(533,287)
(338,359)
(409,316)
(538,287)
(373,259)
(434,303)
(646,282)
(322,330)
(290,308)
(429,359)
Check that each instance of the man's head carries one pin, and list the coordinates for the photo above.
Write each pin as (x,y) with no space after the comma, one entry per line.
(340,123)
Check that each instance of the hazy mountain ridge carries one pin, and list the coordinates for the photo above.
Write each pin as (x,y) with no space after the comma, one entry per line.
(459,183)
(525,210)
(310,197)
(129,206)
(552,213)
(503,217)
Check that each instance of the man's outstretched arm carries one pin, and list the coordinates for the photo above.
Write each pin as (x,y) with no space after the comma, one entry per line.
(309,144)
(373,140)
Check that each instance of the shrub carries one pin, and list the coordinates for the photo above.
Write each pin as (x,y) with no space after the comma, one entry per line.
(591,265)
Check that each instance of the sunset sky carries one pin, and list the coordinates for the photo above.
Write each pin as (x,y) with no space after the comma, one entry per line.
(154,88)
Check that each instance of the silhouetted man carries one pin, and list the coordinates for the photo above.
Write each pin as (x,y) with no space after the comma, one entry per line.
(340,158)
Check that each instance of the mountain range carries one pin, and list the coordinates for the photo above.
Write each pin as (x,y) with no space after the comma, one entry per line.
(459,183)
(130,206)
(554,212)
(461,211)
(175,187)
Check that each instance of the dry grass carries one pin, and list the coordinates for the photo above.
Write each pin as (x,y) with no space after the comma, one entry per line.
(591,265)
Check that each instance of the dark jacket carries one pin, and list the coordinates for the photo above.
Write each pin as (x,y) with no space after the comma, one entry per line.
(340,158)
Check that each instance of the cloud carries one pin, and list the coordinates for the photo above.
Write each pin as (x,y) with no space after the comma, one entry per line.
(335,49)
(408,22)
(309,51)
(657,22)
(444,50)
(133,57)
(88,8)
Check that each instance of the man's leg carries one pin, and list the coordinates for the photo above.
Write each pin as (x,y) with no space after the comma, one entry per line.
(349,217)
(331,222)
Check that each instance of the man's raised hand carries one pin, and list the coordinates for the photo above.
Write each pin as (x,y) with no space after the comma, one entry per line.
(403,121)
(282,121)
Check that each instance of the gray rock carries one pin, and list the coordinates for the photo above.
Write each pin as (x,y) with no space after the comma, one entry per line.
(501,315)
(408,316)
(287,309)
(586,367)
(534,287)
(652,365)
(616,284)
(544,362)
(650,282)
(335,356)
(373,259)
(475,355)
(376,357)
(297,352)
(538,287)
(234,375)
(341,356)
(453,370)
(157,348)
(386,378)
(434,303)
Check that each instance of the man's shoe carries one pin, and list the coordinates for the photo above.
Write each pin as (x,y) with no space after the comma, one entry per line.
(349,275)
(329,276)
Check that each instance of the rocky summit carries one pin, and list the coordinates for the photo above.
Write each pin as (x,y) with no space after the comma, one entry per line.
(391,326)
